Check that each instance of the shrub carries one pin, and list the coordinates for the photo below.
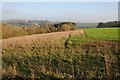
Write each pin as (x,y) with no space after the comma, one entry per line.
(66,26)
(12,31)
(15,31)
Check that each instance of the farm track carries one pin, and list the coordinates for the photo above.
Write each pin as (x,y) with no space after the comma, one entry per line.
(38,38)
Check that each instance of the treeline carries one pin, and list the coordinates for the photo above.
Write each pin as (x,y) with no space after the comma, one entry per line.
(9,30)
(109,24)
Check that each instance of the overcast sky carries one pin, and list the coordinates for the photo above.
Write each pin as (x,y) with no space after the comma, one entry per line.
(61,11)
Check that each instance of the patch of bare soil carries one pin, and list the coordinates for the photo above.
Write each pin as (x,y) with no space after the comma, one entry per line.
(102,46)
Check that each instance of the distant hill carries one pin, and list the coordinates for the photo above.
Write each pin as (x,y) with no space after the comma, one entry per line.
(84,25)
(27,22)
(44,22)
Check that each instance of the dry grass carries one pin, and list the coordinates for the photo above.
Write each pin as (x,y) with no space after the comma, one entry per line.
(44,56)
(77,32)
(38,38)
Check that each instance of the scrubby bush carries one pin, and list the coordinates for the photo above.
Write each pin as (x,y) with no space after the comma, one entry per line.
(52,29)
(12,31)
(65,26)
(15,31)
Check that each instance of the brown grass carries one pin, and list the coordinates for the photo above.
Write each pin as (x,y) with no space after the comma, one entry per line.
(45,56)
(38,38)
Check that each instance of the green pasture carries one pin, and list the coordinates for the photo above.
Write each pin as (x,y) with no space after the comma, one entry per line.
(97,34)
(103,33)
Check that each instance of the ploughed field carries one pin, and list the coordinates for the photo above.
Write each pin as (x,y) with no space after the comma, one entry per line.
(77,54)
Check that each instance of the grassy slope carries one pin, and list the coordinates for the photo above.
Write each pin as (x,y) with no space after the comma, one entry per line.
(103,33)
(51,60)
(97,34)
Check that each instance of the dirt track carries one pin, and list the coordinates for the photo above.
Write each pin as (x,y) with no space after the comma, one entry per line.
(38,38)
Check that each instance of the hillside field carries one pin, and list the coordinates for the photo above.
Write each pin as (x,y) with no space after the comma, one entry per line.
(93,53)
(106,34)
(103,33)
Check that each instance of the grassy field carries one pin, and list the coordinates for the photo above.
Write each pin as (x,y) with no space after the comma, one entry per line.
(100,33)
(93,34)
(45,56)
(103,33)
